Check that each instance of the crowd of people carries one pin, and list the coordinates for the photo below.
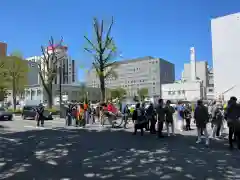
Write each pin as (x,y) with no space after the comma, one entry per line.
(154,117)
(202,114)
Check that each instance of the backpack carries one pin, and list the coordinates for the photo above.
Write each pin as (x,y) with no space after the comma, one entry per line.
(140,115)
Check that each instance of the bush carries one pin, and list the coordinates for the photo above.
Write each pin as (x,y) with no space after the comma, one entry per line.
(54,111)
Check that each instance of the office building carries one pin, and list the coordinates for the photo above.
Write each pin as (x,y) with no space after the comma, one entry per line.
(201,72)
(68,65)
(3,49)
(226,55)
(210,85)
(190,87)
(146,72)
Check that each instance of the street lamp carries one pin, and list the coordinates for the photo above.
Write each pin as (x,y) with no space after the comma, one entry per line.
(60,88)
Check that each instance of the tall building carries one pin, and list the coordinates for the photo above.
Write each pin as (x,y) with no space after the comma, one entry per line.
(201,72)
(226,55)
(146,72)
(3,49)
(68,65)
(210,85)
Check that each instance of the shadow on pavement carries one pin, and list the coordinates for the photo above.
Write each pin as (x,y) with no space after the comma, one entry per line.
(84,154)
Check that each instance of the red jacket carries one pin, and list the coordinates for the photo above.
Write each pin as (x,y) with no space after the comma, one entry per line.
(111,108)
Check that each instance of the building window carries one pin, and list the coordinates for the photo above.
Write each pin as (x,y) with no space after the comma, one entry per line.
(154,83)
(210,90)
(169,92)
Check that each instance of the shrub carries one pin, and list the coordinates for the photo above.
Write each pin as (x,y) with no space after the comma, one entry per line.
(53,110)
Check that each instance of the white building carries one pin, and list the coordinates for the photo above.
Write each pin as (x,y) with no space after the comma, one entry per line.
(188,91)
(69,71)
(226,55)
(190,88)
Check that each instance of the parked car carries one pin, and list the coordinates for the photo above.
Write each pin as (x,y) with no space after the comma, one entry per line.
(30,112)
(4,115)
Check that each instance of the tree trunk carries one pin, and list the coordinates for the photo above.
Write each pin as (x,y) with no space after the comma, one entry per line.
(49,96)
(14,94)
(50,100)
(102,88)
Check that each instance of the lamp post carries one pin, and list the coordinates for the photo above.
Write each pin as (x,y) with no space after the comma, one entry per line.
(60,88)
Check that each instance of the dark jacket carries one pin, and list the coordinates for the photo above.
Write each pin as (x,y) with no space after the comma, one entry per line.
(161,112)
(187,113)
(138,116)
(150,112)
(40,111)
(233,111)
(201,116)
(169,110)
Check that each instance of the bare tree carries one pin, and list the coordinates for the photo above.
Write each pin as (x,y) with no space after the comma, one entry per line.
(103,52)
(50,60)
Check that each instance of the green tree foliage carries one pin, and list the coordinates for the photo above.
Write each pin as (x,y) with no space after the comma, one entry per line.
(142,93)
(4,83)
(14,71)
(48,65)
(103,50)
(83,93)
(118,93)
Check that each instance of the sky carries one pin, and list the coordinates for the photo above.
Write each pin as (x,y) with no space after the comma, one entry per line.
(159,28)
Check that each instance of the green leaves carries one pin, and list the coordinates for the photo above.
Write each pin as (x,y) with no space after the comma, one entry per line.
(118,93)
(14,70)
(142,93)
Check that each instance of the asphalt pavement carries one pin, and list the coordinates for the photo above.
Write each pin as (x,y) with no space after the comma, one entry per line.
(56,152)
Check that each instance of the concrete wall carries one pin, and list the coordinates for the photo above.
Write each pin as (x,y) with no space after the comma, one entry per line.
(190,91)
(226,54)
(37,93)
(201,71)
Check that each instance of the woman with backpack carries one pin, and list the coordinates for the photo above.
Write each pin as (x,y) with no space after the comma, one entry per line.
(138,119)
(217,119)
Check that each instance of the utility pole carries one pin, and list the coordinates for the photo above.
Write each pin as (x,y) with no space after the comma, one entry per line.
(60,89)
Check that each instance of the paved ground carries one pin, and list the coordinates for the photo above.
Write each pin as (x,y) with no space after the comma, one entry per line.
(59,153)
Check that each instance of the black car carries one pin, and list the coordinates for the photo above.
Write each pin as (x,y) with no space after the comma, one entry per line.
(30,112)
(4,115)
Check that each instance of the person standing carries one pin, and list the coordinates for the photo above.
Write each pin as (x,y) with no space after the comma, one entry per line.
(232,116)
(86,115)
(69,115)
(217,119)
(180,116)
(138,119)
(188,117)
(92,113)
(40,116)
(201,116)
(169,110)
(150,112)
(160,110)
(125,116)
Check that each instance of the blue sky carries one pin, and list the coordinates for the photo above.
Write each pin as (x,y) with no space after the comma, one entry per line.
(159,28)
